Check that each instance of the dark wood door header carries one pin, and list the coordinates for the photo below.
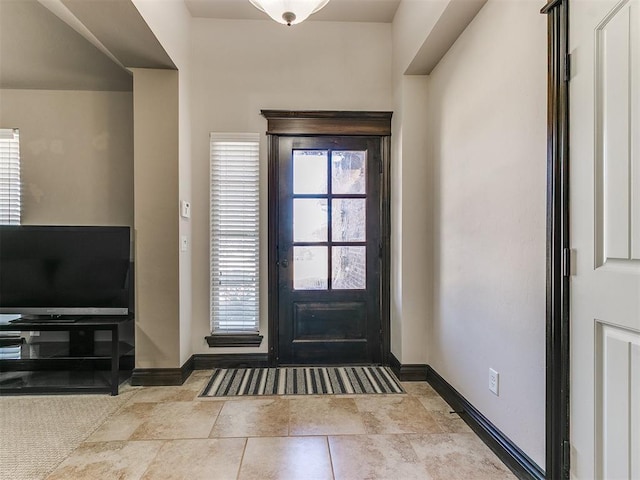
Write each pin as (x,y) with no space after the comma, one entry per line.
(325,122)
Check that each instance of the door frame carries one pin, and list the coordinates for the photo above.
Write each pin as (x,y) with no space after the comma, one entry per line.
(287,123)
(558,447)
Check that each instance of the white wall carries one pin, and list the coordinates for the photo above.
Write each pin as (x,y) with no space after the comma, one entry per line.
(412,23)
(170,21)
(241,67)
(156,146)
(411,221)
(76,155)
(487,104)
(412,195)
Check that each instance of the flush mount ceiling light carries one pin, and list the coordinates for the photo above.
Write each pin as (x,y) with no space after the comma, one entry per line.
(289,12)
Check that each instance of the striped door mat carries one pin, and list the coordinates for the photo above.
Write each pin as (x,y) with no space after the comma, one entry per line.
(235,382)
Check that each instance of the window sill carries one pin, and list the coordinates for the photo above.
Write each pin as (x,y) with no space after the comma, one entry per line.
(234,340)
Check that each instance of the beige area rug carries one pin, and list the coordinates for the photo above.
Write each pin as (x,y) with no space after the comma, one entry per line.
(38,432)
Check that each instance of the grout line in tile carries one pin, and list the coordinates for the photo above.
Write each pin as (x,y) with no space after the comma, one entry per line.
(213,425)
(288,416)
(153,459)
(173,439)
(244,449)
(333,472)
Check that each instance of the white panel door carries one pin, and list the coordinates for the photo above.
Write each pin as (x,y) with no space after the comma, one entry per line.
(605,236)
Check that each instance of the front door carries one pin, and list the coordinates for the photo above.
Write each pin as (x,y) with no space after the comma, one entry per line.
(328,250)
(605,235)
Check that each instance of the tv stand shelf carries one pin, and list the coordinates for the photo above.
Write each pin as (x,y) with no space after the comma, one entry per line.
(81,364)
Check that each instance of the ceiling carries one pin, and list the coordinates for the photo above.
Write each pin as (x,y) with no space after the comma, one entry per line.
(38,50)
(121,29)
(43,47)
(381,11)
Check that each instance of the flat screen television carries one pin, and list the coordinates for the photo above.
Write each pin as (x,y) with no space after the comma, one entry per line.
(65,270)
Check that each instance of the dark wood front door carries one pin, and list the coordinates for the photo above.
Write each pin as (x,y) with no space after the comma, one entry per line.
(328,250)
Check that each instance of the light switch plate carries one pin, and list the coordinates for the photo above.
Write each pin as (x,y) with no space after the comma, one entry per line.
(494,381)
(185,209)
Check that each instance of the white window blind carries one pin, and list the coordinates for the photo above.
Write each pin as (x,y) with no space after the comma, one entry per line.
(9,176)
(9,214)
(234,212)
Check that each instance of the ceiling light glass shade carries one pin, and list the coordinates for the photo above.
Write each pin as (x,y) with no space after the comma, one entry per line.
(289,12)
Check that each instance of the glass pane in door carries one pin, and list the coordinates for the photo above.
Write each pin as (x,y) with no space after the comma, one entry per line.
(310,171)
(348,220)
(349,268)
(349,172)
(310,220)
(310,265)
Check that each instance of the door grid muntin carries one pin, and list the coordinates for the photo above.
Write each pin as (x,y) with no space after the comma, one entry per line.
(326,193)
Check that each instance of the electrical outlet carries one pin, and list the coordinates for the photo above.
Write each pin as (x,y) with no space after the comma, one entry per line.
(494,381)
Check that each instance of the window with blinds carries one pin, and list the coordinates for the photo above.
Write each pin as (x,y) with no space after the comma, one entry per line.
(9,214)
(234,233)
(9,176)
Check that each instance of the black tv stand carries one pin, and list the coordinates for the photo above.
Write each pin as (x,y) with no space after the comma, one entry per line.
(80,364)
(47,318)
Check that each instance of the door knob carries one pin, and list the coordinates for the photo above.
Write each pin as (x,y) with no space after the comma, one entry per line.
(284,263)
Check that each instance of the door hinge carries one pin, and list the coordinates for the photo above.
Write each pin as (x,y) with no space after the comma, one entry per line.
(566,455)
(567,68)
(379,250)
(566,262)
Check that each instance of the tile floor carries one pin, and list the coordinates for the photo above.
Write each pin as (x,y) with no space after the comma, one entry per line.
(171,433)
